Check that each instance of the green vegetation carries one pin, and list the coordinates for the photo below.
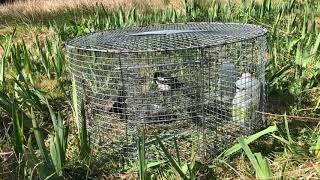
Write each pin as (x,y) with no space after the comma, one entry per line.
(37,111)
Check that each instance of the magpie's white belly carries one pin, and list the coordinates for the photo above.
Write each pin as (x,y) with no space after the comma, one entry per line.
(163,87)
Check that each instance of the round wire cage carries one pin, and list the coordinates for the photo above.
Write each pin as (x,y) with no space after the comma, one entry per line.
(197,86)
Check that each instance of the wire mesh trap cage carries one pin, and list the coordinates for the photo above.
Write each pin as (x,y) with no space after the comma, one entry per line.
(195,85)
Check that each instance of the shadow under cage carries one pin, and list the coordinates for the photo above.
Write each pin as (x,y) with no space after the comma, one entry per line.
(197,86)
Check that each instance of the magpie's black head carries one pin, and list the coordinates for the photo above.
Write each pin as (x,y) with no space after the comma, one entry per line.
(158,74)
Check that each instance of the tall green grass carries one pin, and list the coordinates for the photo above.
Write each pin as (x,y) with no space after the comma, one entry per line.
(293,69)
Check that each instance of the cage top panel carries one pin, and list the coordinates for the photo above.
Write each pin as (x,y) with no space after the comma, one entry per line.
(166,37)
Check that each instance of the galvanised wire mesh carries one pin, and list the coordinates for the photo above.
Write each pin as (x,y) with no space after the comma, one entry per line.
(197,86)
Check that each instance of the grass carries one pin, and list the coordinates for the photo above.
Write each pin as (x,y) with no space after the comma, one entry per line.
(38,11)
(38,103)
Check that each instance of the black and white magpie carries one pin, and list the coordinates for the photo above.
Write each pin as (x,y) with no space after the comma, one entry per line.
(166,83)
(119,105)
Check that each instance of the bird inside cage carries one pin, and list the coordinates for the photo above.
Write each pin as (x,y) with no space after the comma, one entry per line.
(246,100)
(166,83)
(183,97)
(119,105)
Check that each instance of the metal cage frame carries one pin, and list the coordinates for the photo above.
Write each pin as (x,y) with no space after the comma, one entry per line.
(192,84)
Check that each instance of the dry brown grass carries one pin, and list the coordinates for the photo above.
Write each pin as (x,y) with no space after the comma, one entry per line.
(39,9)
(25,11)
(50,6)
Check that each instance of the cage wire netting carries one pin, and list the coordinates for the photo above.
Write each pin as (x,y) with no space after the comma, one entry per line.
(197,86)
